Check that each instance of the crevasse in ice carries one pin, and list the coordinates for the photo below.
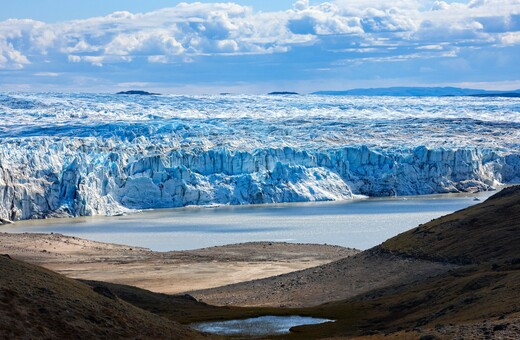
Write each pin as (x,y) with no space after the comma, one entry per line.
(90,154)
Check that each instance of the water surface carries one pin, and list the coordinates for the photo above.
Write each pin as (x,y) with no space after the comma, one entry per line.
(261,326)
(357,224)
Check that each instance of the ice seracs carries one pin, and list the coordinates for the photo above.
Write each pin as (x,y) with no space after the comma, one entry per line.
(91,179)
(72,155)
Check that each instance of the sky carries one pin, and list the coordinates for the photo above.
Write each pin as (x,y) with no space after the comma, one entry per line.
(257,46)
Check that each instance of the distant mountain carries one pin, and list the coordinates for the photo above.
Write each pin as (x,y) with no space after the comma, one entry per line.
(504,94)
(138,92)
(420,91)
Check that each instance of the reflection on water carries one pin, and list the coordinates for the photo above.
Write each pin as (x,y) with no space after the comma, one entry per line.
(358,224)
(261,326)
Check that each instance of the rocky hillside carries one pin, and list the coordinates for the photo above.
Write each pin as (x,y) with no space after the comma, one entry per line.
(487,232)
(479,299)
(38,303)
(455,277)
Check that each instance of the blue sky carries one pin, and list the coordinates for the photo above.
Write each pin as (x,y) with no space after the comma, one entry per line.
(257,46)
(59,10)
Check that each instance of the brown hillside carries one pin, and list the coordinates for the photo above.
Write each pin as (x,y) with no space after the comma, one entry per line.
(489,231)
(478,302)
(38,303)
(476,296)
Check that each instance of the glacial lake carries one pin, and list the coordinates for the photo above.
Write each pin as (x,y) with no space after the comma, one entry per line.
(361,223)
(257,327)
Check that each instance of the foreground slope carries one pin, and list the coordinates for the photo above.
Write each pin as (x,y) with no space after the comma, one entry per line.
(487,232)
(38,303)
(477,295)
(479,299)
(455,277)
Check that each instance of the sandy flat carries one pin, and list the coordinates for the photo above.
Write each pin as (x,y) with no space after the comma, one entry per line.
(166,272)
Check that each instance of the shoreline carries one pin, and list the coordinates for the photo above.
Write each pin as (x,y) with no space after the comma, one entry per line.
(355,198)
(355,224)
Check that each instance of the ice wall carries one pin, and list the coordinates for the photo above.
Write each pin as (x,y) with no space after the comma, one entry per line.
(89,176)
(66,154)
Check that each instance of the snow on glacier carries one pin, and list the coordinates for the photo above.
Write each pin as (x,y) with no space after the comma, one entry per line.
(89,154)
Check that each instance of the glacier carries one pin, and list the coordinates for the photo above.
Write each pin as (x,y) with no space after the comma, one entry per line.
(100,154)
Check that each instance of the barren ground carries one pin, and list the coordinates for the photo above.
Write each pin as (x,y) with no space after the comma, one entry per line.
(166,272)
(335,281)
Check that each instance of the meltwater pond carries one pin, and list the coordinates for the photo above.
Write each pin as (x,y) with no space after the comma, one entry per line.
(357,224)
(261,326)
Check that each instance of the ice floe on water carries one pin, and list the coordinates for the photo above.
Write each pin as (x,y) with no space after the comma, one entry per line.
(91,154)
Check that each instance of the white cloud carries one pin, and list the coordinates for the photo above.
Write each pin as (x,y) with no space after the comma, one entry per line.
(47,74)
(324,19)
(188,30)
(496,85)
(154,42)
(397,58)
(430,47)
(134,84)
(157,59)
(440,5)
(74,58)
(94,60)
(511,38)
(301,5)
(10,58)
(80,47)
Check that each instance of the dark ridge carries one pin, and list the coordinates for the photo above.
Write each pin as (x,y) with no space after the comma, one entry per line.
(420,92)
(282,93)
(506,95)
(36,303)
(140,93)
(506,192)
(180,308)
(486,232)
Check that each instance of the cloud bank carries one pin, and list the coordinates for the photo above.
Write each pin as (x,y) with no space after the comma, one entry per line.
(326,35)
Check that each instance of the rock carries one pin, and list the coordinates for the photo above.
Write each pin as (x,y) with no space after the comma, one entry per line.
(282,93)
(138,92)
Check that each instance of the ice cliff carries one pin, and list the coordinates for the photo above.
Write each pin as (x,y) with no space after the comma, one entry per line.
(73,177)
(72,155)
